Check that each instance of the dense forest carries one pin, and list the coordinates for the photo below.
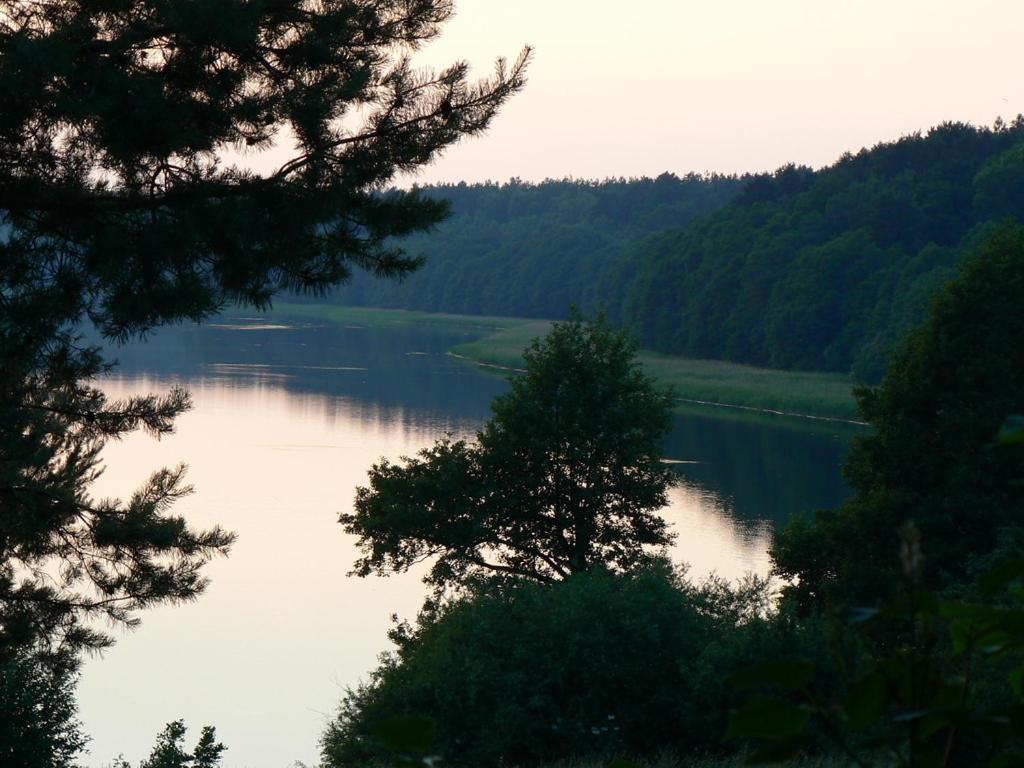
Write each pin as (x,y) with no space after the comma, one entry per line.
(531,250)
(802,269)
(824,270)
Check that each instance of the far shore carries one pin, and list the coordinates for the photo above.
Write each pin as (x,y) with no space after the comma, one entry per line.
(697,383)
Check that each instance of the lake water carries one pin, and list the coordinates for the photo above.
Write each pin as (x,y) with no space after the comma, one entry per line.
(288,418)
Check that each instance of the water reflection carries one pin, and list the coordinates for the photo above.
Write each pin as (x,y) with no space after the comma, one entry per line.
(288,419)
(763,470)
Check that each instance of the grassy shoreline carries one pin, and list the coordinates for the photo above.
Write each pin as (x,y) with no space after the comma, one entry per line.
(372,317)
(698,383)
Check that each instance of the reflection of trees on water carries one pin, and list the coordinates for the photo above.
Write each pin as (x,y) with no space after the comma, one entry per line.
(751,475)
(761,472)
(394,373)
(413,426)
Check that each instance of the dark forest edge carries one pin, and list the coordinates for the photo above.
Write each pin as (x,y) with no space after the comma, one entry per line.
(697,383)
(801,269)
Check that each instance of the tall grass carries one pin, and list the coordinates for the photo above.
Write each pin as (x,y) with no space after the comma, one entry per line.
(823,395)
(800,393)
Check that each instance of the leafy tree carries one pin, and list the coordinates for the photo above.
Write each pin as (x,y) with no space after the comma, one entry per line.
(531,250)
(802,269)
(118,207)
(931,456)
(565,476)
(826,269)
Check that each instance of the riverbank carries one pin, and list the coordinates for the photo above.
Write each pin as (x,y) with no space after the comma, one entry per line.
(376,318)
(697,382)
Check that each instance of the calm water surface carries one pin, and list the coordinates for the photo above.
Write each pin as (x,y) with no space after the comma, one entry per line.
(288,418)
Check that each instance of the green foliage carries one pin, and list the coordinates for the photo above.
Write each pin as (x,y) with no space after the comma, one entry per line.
(531,250)
(38,726)
(823,270)
(594,666)
(944,690)
(119,209)
(932,456)
(800,269)
(565,476)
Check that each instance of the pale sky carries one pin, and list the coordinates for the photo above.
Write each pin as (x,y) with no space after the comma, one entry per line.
(646,86)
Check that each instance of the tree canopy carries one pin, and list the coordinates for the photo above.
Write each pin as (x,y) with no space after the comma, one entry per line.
(120,206)
(532,250)
(801,269)
(932,456)
(169,750)
(566,475)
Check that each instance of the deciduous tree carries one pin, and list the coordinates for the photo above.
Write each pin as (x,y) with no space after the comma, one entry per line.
(931,456)
(566,475)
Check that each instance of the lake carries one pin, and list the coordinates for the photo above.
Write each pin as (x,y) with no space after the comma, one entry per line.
(288,418)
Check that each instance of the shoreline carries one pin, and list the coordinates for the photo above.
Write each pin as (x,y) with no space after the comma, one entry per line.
(809,396)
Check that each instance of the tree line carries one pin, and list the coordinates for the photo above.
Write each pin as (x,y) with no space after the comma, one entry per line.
(532,250)
(829,269)
(797,269)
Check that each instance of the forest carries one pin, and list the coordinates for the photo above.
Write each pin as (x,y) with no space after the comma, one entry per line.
(532,250)
(798,269)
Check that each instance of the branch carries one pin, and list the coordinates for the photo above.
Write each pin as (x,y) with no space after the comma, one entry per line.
(508,569)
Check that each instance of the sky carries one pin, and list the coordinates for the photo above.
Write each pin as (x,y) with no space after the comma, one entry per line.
(647,86)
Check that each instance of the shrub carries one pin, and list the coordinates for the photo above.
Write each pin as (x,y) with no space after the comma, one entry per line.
(597,665)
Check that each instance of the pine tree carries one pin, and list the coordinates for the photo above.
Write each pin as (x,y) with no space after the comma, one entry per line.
(118,208)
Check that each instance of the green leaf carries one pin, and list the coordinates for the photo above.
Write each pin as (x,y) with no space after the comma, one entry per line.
(767,718)
(409,733)
(792,675)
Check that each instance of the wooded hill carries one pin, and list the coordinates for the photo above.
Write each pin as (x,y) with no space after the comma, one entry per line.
(531,250)
(800,269)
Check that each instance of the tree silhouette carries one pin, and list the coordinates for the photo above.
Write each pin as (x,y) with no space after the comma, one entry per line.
(565,476)
(119,206)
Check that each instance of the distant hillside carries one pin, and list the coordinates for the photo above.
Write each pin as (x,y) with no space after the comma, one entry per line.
(530,250)
(822,270)
(800,269)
